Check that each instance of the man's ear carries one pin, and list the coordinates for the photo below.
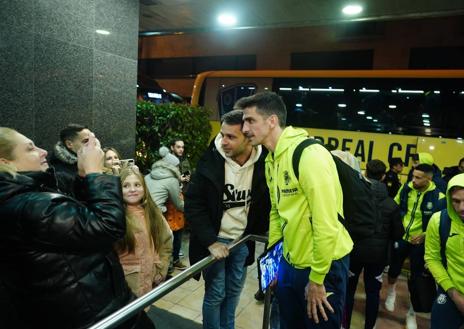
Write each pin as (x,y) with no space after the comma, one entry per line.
(273,120)
(68,144)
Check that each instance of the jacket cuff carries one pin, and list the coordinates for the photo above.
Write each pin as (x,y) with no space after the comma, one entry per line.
(447,284)
(316,277)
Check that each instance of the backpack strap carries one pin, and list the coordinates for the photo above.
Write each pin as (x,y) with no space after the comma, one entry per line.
(404,199)
(444,229)
(297,154)
(296,157)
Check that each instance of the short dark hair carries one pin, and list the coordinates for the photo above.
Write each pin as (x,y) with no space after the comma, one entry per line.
(455,188)
(428,169)
(267,103)
(395,161)
(375,169)
(234,117)
(175,140)
(460,161)
(71,131)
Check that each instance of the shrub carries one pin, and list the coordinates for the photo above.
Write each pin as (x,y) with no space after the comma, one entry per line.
(158,124)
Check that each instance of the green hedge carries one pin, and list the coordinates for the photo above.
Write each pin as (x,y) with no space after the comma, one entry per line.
(158,124)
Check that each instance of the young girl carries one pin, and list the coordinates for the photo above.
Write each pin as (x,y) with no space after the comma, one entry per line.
(146,248)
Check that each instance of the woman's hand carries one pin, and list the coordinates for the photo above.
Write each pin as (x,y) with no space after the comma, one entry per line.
(90,157)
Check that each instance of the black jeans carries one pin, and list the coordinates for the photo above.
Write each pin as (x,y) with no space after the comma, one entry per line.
(372,285)
(176,244)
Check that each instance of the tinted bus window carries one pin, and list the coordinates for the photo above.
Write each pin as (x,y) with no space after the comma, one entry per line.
(424,107)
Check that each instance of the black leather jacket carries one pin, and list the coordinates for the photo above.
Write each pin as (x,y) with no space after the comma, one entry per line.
(58,267)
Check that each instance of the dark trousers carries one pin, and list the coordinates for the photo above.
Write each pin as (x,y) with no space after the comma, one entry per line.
(445,314)
(372,285)
(176,244)
(400,252)
(290,291)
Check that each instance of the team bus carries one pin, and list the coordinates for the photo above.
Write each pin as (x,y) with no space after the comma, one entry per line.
(374,114)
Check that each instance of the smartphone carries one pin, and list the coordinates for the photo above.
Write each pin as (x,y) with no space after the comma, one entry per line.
(127,162)
(269,264)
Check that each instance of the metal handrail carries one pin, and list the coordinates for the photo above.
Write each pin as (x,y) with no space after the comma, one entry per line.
(149,298)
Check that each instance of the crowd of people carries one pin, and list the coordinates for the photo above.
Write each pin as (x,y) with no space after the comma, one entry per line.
(85,232)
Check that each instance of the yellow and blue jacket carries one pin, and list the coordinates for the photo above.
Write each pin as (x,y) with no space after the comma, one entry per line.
(453,275)
(417,207)
(304,212)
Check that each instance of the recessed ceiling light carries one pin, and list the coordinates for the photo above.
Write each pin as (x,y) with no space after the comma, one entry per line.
(361,112)
(227,19)
(104,32)
(352,10)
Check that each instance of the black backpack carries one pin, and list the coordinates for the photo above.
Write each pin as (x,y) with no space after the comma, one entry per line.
(362,216)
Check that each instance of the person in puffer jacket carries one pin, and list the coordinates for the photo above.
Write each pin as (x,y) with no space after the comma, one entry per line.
(371,254)
(163,182)
(59,269)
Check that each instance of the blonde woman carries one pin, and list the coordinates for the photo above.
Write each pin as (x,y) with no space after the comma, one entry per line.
(146,248)
(56,251)
(112,164)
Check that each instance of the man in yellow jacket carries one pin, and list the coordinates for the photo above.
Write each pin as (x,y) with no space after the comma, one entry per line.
(312,276)
(444,258)
(418,200)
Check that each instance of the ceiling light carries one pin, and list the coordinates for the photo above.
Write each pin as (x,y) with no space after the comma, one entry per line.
(427,124)
(405,91)
(351,10)
(392,106)
(361,112)
(425,115)
(436,91)
(369,117)
(104,32)
(328,89)
(299,105)
(375,120)
(227,19)
(364,90)
(285,89)
(341,105)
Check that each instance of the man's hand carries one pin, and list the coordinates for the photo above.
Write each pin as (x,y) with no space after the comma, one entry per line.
(418,239)
(457,298)
(316,297)
(90,157)
(218,250)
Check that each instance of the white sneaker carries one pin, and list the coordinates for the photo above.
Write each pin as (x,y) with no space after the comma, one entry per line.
(390,301)
(411,321)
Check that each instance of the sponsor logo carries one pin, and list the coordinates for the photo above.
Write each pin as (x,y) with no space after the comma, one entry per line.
(290,191)
(429,205)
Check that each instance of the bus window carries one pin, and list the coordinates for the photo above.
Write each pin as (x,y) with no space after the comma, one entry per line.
(227,96)
(424,107)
